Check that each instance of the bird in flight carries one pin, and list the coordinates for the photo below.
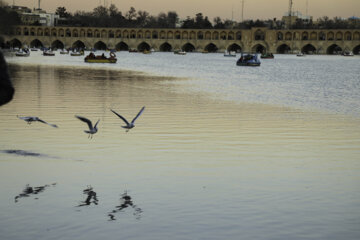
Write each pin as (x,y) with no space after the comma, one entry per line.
(29,120)
(129,125)
(92,130)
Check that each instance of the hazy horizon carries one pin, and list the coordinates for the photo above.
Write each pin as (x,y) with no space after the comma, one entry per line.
(226,9)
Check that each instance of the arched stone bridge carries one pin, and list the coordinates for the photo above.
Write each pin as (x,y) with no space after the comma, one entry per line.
(212,40)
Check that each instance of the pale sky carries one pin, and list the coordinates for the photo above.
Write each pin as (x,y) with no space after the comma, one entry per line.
(254,9)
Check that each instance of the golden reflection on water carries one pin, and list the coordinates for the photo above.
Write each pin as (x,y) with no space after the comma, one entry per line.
(181,140)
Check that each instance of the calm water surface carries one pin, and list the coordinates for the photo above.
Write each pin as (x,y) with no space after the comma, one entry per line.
(202,162)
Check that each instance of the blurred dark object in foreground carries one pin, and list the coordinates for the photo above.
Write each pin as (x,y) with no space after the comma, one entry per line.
(6,88)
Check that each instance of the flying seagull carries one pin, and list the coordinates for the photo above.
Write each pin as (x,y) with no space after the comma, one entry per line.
(29,120)
(129,125)
(92,130)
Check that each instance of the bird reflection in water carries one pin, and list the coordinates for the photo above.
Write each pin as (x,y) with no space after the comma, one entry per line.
(28,191)
(91,197)
(125,202)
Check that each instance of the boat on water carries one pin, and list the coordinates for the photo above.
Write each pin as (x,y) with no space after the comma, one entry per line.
(248,59)
(48,53)
(229,54)
(76,54)
(180,52)
(146,52)
(300,54)
(133,50)
(91,58)
(348,54)
(267,56)
(23,53)
(33,49)
(64,51)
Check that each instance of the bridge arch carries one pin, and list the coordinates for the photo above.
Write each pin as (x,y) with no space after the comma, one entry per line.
(36,43)
(308,49)
(258,48)
(234,47)
(356,50)
(356,36)
(283,49)
(15,43)
(57,44)
(143,46)
(259,35)
(185,35)
(330,36)
(215,35)
(238,35)
(347,36)
(122,46)
(339,36)
(211,47)
(322,36)
(305,36)
(288,36)
(165,47)
(334,49)
(280,36)
(78,44)
(188,47)
(100,45)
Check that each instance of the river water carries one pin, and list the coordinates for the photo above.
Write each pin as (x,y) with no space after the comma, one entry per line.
(220,152)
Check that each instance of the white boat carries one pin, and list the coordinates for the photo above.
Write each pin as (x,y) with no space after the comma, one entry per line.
(64,51)
(76,54)
(48,53)
(33,49)
(180,52)
(22,53)
(229,54)
(348,54)
(300,54)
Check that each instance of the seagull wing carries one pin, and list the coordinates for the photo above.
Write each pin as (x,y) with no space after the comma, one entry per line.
(96,123)
(138,115)
(23,118)
(85,120)
(39,120)
(127,123)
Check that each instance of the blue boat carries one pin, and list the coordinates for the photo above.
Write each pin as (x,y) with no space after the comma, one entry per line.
(251,60)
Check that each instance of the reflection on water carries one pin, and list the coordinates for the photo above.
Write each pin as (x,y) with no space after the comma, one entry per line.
(90,197)
(29,191)
(201,168)
(126,202)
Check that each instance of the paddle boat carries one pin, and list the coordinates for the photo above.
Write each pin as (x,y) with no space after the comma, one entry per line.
(76,54)
(300,54)
(91,58)
(267,56)
(23,53)
(180,52)
(48,53)
(229,54)
(348,54)
(250,60)
(64,51)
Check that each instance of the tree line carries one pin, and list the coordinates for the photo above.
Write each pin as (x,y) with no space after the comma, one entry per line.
(111,16)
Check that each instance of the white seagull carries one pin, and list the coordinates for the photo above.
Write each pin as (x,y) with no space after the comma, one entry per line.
(92,130)
(129,125)
(29,120)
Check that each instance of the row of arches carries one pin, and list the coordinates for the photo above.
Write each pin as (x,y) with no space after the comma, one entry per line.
(188,47)
(309,49)
(131,34)
(318,36)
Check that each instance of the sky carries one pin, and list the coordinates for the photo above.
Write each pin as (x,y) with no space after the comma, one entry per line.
(225,9)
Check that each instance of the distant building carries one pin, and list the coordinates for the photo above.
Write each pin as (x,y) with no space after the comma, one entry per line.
(295,17)
(35,16)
